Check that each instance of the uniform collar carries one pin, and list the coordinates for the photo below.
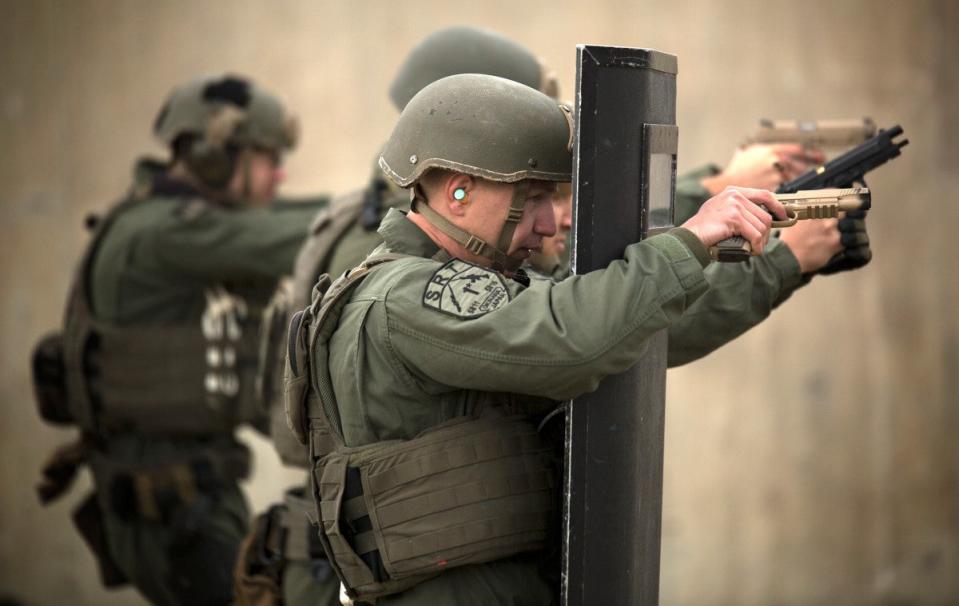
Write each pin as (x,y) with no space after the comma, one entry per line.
(403,236)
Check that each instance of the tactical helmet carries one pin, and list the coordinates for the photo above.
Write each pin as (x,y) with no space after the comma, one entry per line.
(468,50)
(487,127)
(221,115)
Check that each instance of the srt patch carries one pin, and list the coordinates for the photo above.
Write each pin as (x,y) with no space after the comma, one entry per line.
(465,290)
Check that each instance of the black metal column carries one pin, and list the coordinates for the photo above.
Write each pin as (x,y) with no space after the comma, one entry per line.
(624,171)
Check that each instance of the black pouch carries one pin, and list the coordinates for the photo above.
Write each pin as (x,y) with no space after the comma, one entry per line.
(50,380)
(88,518)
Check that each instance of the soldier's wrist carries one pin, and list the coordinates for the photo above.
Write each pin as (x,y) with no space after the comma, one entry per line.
(693,243)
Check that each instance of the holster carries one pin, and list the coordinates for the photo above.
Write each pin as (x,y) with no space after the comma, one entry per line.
(88,518)
(258,575)
(282,534)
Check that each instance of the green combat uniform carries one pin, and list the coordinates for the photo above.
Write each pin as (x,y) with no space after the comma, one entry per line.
(283,556)
(344,234)
(340,238)
(418,380)
(160,350)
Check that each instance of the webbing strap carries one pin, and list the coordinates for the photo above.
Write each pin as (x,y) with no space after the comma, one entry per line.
(351,509)
(470,533)
(514,215)
(466,494)
(320,332)
(476,450)
(355,508)
(365,542)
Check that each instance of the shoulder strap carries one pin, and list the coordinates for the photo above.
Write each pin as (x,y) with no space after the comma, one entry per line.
(326,311)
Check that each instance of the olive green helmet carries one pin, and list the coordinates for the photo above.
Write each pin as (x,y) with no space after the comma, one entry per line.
(487,127)
(468,50)
(220,114)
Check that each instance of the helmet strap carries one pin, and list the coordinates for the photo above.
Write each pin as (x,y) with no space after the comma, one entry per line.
(500,260)
(514,215)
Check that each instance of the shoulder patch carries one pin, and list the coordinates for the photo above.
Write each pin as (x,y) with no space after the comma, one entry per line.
(465,290)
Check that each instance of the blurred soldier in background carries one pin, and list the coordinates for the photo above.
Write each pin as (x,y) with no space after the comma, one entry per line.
(158,358)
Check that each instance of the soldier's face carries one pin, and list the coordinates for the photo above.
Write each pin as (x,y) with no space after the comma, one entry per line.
(563,215)
(491,204)
(257,177)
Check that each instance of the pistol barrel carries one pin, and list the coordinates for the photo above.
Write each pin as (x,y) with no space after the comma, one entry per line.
(815,133)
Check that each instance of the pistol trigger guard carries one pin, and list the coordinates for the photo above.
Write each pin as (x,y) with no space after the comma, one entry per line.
(789,221)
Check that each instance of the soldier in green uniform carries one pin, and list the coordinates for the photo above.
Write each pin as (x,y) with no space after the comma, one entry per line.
(160,344)
(342,235)
(283,555)
(419,378)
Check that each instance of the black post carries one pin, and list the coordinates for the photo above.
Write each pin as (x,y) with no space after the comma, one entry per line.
(624,171)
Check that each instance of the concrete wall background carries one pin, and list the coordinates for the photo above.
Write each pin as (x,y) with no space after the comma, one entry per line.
(813,461)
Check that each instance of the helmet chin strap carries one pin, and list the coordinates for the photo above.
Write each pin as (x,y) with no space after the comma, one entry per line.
(500,261)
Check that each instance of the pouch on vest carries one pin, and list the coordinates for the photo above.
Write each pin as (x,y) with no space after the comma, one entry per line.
(272,371)
(194,378)
(394,514)
(50,380)
(468,491)
(258,574)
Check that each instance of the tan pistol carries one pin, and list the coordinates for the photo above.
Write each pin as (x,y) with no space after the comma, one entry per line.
(819,134)
(802,205)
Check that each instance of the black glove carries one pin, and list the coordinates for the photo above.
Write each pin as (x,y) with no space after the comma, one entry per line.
(855,241)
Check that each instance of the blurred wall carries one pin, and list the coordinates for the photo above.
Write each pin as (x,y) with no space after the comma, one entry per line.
(813,461)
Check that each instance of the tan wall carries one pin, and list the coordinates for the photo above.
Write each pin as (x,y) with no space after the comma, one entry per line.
(814,461)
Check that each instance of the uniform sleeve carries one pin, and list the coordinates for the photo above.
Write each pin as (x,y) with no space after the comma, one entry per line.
(556,340)
(230,244)
(690,193)
(740,296)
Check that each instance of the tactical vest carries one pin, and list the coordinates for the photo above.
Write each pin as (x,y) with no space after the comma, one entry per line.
(183,379)
(396,513)
(328,228)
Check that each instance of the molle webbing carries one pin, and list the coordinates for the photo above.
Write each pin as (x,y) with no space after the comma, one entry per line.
(466,492)
(153,379)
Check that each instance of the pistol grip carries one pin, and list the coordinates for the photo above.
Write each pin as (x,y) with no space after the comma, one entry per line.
(731,250)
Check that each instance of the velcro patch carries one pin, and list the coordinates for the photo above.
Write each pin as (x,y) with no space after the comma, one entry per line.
(465,290)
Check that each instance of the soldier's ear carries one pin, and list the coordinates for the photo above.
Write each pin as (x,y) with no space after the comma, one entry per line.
(457,192)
